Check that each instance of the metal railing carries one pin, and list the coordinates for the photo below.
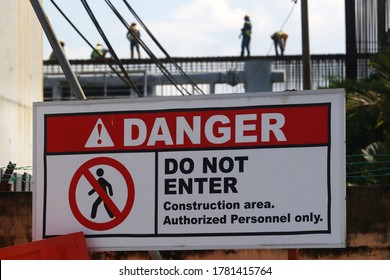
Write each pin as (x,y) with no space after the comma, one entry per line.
(18,182)
(324,69)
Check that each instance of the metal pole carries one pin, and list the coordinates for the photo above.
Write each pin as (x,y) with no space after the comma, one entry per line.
(77,91)
(381,10)
(350,34)
(305,46)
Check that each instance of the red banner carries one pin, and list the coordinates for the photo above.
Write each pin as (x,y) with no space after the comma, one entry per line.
(189,129)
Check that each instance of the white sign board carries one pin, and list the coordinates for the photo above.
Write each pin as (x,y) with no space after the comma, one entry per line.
(204,172)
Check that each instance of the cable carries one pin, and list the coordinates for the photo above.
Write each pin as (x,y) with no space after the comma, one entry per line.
(188,79)
(284,23)
(112,51)
(159,64)
(107,42)
(92,47)
(288,17)
(161,48)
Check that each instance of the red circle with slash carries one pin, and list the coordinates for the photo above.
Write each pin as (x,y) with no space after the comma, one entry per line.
(119,215)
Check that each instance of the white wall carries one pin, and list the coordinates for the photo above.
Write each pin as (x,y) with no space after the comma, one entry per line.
(21,79)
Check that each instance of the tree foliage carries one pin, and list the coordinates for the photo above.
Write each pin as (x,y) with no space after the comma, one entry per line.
(368,124)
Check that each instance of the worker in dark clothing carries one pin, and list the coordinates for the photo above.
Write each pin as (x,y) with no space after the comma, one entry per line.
(246,33)
(133,35)
(280,40)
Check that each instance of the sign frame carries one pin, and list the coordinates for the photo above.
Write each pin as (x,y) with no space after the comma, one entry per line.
(274,222)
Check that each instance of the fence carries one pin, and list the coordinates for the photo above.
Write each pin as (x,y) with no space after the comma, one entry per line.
(359,172)
(324,69)
(12,180)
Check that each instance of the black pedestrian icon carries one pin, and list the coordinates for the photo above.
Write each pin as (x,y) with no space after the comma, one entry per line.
(89,176)
(106,186)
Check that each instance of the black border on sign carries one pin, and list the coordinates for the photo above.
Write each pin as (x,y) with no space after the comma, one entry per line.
(156,234)
(329,160)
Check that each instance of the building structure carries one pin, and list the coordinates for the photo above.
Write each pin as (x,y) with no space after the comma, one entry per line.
(367,25)
(21,81)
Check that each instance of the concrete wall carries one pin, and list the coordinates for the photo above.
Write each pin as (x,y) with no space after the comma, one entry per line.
(15,218)
(368,231)
(21,79)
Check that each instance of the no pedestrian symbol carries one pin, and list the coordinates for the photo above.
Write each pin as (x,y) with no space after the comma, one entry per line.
(117,216)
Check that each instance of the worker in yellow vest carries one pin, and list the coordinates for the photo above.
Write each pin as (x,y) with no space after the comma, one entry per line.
(99,52)
(280,40)
(246,33)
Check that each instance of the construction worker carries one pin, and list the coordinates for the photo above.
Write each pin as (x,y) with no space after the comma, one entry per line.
(246,33)
(53,56)
(280,40)
(133,36)
(99,52)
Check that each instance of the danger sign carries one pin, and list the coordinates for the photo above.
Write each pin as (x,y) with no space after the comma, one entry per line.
(193,172)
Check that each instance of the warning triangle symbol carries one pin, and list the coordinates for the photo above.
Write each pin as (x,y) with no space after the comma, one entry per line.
(99,137)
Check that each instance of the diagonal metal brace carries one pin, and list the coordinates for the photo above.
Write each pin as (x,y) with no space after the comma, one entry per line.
(77,91)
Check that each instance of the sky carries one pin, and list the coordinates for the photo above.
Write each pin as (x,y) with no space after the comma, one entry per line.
(200,28)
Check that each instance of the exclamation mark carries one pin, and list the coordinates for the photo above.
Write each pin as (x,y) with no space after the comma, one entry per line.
(99,128)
